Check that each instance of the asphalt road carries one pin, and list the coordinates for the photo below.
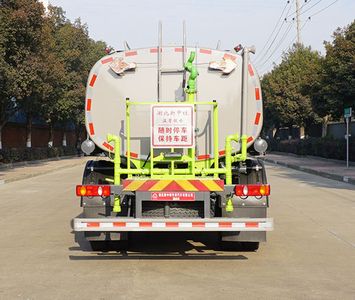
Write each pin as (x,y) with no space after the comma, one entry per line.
(309,255)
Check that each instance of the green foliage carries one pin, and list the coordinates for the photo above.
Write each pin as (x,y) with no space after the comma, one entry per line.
(13,155)
(324,147)
(44,62)
(306,87)
(337,89)
(286,88)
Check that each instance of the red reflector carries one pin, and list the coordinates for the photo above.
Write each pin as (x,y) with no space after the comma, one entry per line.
(252,190)
(251,224)
(225,224)
(145,224)
(93,190)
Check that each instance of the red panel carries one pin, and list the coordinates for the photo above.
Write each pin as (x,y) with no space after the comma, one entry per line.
(220,183)
(205,51)
(172,187)
(198,224)
(257,118)
(229,56)
(178,49)
(126,182)
(88,105)
(145,224)
(93,224)
(119,224)
(257,94)
(91,128)
(251,224)
(249,139)
(225,224)
(222,152)
(131,53)
(171,224)
(93,79)
(108,146)
(154,50)
(205,156)
(107,60)
(132,154)
(199,185)
(251,71)
(147,185)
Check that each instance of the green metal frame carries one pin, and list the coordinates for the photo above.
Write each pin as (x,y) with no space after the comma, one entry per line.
(171,172)
(195,168)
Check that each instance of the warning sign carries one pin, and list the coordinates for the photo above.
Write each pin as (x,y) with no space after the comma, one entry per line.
(172,126)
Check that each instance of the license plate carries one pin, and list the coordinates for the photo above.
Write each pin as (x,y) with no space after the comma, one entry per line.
(173,196)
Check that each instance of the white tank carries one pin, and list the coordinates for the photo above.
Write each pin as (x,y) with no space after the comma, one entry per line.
(107,91)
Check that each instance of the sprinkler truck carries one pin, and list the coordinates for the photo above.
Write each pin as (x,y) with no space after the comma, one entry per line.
(176,123)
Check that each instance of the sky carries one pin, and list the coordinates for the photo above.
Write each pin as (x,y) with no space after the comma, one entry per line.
(246,22)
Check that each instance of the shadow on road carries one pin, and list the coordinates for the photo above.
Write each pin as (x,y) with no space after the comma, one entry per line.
(157,246)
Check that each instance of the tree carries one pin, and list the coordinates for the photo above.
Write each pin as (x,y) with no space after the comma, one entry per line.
(23,23)
(5,79)
(337,87)
(78,53)
(44,63)
(286,89)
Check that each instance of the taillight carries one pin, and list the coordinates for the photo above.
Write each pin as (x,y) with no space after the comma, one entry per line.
(252,190)
(93,190)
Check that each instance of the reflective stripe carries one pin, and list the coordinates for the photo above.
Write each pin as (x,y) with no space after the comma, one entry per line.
(193,185)
(93,80)
(134,185)
(108,146)
(107,60)
(257,94)
(206,51)
(257,118)
(160,185)
(251,71)
(214,224)
(212,185)
(91,128)
(130,53)
(187,186)
(88,105)
(230,56)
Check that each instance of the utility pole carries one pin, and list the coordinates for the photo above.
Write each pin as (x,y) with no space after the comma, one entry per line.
(298,23)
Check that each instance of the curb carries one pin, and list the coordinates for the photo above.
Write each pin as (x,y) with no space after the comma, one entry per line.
(312,171)
(351,163)
(38,173)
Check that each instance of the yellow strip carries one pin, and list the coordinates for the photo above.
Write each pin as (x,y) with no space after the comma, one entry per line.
(134,185)
(186,185)
(212,185)
(160,185)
